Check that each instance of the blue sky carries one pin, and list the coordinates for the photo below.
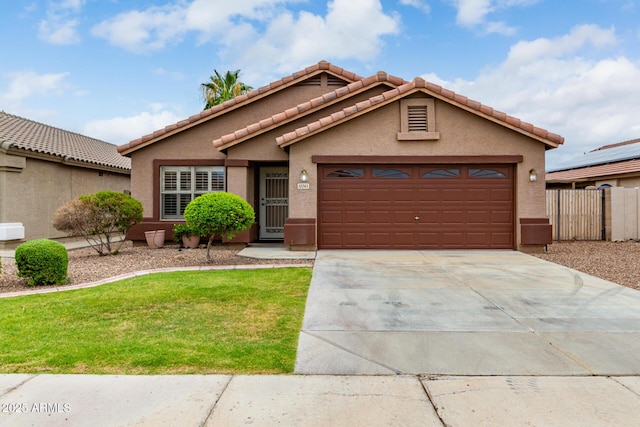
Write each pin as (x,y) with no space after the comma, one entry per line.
(117,70)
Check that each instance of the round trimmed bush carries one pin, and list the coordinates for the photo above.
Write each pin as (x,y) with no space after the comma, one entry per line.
(218,213)
(43,261)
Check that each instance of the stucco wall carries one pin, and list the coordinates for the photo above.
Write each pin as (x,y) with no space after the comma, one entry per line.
(197,141)
(32,195)
(630,182)
(461,134)
(192,144)
(264,148)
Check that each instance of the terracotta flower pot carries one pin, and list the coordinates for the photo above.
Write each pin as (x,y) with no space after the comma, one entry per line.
(155,238)
(190,241)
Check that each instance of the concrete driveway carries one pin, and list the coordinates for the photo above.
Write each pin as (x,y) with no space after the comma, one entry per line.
(464,313)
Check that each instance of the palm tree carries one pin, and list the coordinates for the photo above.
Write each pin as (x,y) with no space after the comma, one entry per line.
(222,88)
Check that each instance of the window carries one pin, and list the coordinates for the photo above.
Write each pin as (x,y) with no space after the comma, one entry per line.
(417,120)
(346,173)
(485,173)
(442,173)
(389,173)
(181,184)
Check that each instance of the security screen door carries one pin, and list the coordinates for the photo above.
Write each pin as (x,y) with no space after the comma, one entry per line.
(274,201)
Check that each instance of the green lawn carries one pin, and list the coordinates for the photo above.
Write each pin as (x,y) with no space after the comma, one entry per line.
(231,321)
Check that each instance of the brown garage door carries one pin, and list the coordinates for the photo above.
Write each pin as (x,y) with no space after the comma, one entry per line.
(416,206)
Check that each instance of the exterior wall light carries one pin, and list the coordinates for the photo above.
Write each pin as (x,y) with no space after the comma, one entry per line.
(533,175)
(304,176)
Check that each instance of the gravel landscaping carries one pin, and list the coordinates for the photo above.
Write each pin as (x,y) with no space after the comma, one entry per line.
(614,261)
(617,262)
(85,265)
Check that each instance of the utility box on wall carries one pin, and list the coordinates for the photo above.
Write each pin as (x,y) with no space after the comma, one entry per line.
(11,231)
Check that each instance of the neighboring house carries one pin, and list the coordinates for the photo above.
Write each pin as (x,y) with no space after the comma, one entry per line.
(42,167)
(329,159)
(614,165)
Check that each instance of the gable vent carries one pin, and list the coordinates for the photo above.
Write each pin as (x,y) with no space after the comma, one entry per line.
(334,81)
(313,81)
(417,118)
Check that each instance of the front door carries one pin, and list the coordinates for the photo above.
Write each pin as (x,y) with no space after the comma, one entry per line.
(274,201)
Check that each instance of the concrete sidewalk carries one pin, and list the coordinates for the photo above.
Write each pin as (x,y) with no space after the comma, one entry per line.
(300,400)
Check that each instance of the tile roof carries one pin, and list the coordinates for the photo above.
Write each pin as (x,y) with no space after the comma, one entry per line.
(611,153)
(314,104)
(617,144)
(598,171)
(18,132)
(237,102)
(418,84)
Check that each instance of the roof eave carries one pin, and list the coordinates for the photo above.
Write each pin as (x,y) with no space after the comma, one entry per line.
(549,144)
(66,160)
(292,118)
(237,102)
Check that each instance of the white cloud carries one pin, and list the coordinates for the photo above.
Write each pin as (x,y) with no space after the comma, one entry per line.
(60,25)
(560,85)
(499,28)
(29,84)
(120,130)
(59,31)
(263,31)
(350,29)
(144,31)
(158,26)
(474,13)
(418,4)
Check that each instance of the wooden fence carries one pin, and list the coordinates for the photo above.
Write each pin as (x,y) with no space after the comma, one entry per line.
(625,214)
(576,214)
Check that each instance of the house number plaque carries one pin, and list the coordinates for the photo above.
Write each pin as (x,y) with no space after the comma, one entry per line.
(303,186)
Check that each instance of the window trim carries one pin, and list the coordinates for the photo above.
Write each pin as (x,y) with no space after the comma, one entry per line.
(407,135)
(192,183)
(157,163)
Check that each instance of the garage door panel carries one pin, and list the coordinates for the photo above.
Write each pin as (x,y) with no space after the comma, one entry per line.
(332,240)
(453,239)
(478,194)
(331,195)
(355,217)
(429,195)
(380,239)
(331,217)
(501,217)
(479,238)
(381,195)
(501,239)
(355,239)
(501,195)
(452,195)
(454,208)
(407,195)
(479,218)
(354,195)
(381,217)
(453,217)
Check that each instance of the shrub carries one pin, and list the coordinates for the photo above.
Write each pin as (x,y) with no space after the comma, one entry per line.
(43,261)
(218,213)
(99,217)
(180,230)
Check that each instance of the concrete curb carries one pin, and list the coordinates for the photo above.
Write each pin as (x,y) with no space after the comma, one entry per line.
(152,271)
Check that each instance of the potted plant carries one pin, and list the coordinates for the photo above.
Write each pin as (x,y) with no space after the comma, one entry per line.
(187,235)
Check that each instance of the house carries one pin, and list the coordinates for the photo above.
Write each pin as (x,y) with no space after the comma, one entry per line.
(42,167)
(613,165)
(332,160)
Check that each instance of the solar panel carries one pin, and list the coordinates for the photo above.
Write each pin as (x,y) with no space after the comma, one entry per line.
(600,157)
